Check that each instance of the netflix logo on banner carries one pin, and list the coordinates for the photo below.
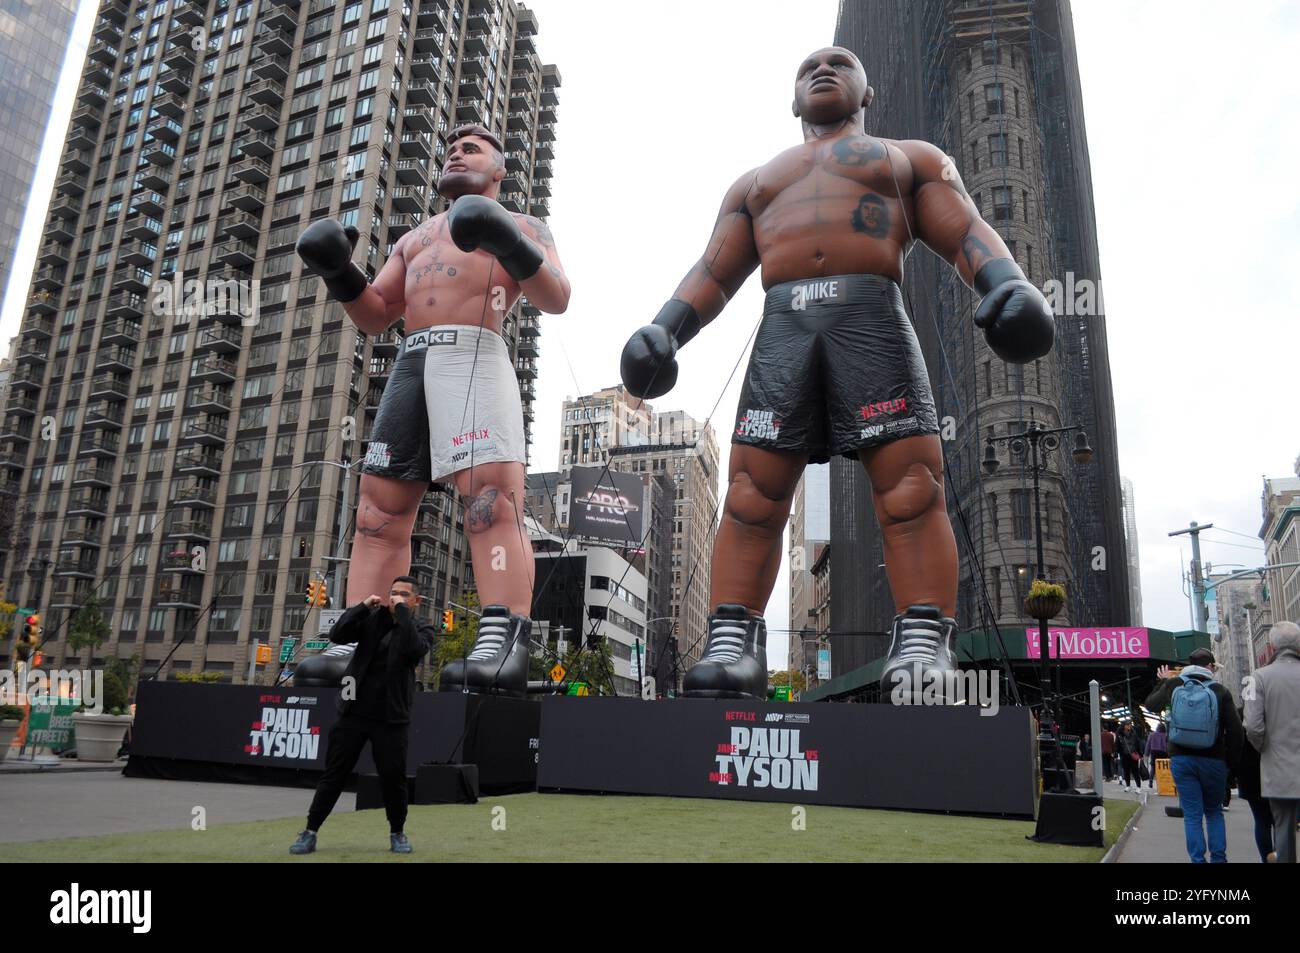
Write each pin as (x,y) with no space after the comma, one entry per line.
(284,733)
(1092,643)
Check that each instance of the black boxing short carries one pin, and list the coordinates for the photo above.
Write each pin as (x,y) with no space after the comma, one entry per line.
(836,368)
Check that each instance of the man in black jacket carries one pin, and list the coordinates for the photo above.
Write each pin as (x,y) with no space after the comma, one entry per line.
(375,705)
(1201,774)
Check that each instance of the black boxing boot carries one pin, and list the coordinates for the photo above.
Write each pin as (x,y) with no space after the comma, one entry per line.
(325,670)
(498,662)
(734,664)
(920,655)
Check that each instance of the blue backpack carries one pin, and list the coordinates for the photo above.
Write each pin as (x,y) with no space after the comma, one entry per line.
(1194,714)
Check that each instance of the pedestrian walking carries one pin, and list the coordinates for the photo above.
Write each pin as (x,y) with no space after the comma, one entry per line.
(1272,698)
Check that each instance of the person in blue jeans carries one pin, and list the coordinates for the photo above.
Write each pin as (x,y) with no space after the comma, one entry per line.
(1201,774)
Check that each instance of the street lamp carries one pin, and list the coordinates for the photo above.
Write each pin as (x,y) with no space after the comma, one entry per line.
(338,557)
(1032,448)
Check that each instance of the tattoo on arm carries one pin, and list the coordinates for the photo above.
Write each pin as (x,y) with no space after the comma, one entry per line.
(871,217)
(543,232)
(478,510)
(975,252)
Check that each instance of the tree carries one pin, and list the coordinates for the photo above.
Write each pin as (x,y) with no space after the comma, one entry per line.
(594,666)
(7,610)
(88,630)
(460,640)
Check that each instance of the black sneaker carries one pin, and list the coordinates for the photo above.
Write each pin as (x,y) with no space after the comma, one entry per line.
(734,664)
(399,844)
(498,662)
(305,844)
(920,655)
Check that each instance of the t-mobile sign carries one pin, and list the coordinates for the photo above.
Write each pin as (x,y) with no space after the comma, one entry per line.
(1092,643)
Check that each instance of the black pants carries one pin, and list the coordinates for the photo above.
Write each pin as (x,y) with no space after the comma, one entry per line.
(388,748)
(1132,774)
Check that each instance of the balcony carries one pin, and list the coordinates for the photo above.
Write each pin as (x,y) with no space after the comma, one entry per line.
(195,493)
(273,42)
(104,53)
(473,66)
(48,278)
(238,224)
(546,115)
(159,153)
(71,182)
(121,331)
(470,109)
(169,104)
(478,20)
(54,255)
(126,304)
(132,279)
(26,378)
(151,204)
(87,503)
(66,205)
(93,96)
(199,463)
(421,92)
(14,428)
(157,178)
(251,169)
(180,58)
(526,21)
(76,566)
(262,118)
(147,230)
(412,171)
(399,225)
(102,444)
(178,593)
(431,16)
(191,529)
(174,82)
(191,14)
(92,473)
(386,344)
(255,142)
(268,92)
(416,120)
(213,400)
(19,406)
(213,368)
(237,252)
(103,415)
(78,162)
(39,328)
(526,370)
(541,188)
(83,532)
(115,359)
(425,528)
(417,145)
(544,150)
(164,127)
(282,19)
(180,560)
(271,66)
(426,66)
(220,340)
(110,387)
(137,252)
(409,198)
(248,197)
(204,432)
(539,209)
(107,31)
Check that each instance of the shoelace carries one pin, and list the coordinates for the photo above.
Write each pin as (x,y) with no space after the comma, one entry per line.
(726,643)
(491,636)
(920,642)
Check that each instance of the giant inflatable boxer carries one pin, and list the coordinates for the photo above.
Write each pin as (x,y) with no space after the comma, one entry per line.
(836,367)
(451,410)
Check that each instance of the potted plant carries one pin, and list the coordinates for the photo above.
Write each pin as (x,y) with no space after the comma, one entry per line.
(100,734)
(1045,600)
(11,719)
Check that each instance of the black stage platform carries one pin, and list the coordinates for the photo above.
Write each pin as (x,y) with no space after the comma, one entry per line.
(922,758)
(254,734)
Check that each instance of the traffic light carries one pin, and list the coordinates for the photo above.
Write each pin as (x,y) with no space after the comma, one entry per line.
(447,620)
(30,638)
(316,593)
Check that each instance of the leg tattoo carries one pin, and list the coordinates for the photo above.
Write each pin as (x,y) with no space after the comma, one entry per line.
(368,515)
(478,510)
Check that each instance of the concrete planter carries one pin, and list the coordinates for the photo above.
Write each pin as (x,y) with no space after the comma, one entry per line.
(99,736)
(7,731)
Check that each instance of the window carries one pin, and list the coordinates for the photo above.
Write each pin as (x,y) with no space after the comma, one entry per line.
(992,99)
(1001,204)
(1020,515)
(998,150)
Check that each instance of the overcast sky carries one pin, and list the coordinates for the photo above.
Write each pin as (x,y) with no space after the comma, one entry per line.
(1192,127)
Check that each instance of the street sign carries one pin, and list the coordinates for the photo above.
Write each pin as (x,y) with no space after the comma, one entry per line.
(286,649)
(782,693)
(316,644)
(579,690)
(557,673)
(25,612)
(327,619)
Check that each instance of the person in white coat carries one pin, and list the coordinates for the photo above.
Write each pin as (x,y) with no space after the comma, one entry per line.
(1272,697)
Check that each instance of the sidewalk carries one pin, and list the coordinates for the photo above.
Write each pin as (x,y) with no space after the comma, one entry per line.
(1157,838)
(64,803)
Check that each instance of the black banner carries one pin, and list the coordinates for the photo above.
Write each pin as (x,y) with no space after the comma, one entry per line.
(918,758)
(606,506)
(278,728)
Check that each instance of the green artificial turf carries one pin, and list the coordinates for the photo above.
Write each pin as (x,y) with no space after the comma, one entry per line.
(555,827)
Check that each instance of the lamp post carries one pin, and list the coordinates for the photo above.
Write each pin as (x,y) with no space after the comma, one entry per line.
(1031,448)
(346,467)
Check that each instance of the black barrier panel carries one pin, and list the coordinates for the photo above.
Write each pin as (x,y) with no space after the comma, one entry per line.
(278,728)
(917,758)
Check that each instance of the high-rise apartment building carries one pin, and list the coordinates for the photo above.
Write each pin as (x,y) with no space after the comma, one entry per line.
(810,532)
(34,38)
(186,403)
(1131,548)
(997,88)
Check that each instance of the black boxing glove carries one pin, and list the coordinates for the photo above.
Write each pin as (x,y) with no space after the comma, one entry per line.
(648,366)
(1017,322)
(326,247)
(476,221)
